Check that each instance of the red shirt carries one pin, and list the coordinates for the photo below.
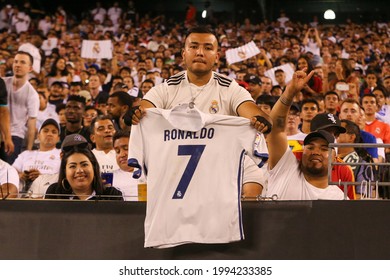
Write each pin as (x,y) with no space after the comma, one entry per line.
(379,130)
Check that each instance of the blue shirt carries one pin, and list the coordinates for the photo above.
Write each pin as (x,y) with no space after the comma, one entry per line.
(368,138)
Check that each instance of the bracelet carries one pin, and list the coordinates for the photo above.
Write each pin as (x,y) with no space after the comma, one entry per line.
(285,101)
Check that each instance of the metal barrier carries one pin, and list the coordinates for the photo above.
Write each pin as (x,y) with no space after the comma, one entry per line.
(369,184)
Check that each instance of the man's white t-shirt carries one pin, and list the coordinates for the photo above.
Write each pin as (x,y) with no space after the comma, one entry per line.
(125,182)
(48,113)
(193,163)
(22,104)
(107,161)
(47,162)
(288,183)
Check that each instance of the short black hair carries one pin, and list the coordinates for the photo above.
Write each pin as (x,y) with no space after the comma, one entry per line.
(74,84)
(332,93)
(38,81)
(310,100)
(266,99)
(279,70)
(98,118)
(77,98)
(122,133)
(123,98)
(201,29)
(60,107)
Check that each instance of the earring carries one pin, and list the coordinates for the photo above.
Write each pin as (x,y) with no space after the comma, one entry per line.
(65,185)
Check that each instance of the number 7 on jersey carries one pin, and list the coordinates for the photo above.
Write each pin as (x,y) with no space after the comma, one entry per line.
(195,151)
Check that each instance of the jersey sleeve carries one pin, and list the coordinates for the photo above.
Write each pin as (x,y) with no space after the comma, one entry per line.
(239,96)
(158,95)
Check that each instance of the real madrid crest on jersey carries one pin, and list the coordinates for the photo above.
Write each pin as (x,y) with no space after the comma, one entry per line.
(214,108)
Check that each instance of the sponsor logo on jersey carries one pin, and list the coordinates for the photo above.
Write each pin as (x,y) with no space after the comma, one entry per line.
(214,108)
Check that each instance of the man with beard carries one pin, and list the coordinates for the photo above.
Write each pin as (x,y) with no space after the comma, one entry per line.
(118,104)
(74,111)
(289,178)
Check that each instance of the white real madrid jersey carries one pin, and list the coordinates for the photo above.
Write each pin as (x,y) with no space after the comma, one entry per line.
(221,95)
(193,163)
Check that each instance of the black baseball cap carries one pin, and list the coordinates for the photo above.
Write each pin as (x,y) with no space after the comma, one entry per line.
(254,79)
(74,140)
(50,121)
(295,106)
(326,120)
(318,134)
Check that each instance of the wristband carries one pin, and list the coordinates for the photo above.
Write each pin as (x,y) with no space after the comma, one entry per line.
(266,122)
(127,118)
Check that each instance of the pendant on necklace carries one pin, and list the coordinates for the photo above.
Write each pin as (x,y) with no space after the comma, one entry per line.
(191,105)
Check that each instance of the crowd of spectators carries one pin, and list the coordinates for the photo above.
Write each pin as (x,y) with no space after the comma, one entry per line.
(350,60)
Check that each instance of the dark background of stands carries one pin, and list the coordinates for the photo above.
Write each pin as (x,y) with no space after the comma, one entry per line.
(301,230)
(236,10)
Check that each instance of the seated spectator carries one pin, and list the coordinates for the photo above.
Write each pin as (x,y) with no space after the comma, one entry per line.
(295,137)
(58,72)
(309,109)
(146,85)
(331,102)
(355,155)
(90,113)
(266,102)
(340,173)
(123,177)
(255,180)
(254,84)
(314,86)
(79,178)
(289,178)
(46,110)
(119,103)
(9,181)
(74,112)
(102,132)
(383,113)
(376,127)
(40,184)
(45,160)
(60,110)
(56,95)
(350,110)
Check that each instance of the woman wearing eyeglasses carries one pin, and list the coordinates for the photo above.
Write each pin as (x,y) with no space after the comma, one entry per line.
(79,178)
